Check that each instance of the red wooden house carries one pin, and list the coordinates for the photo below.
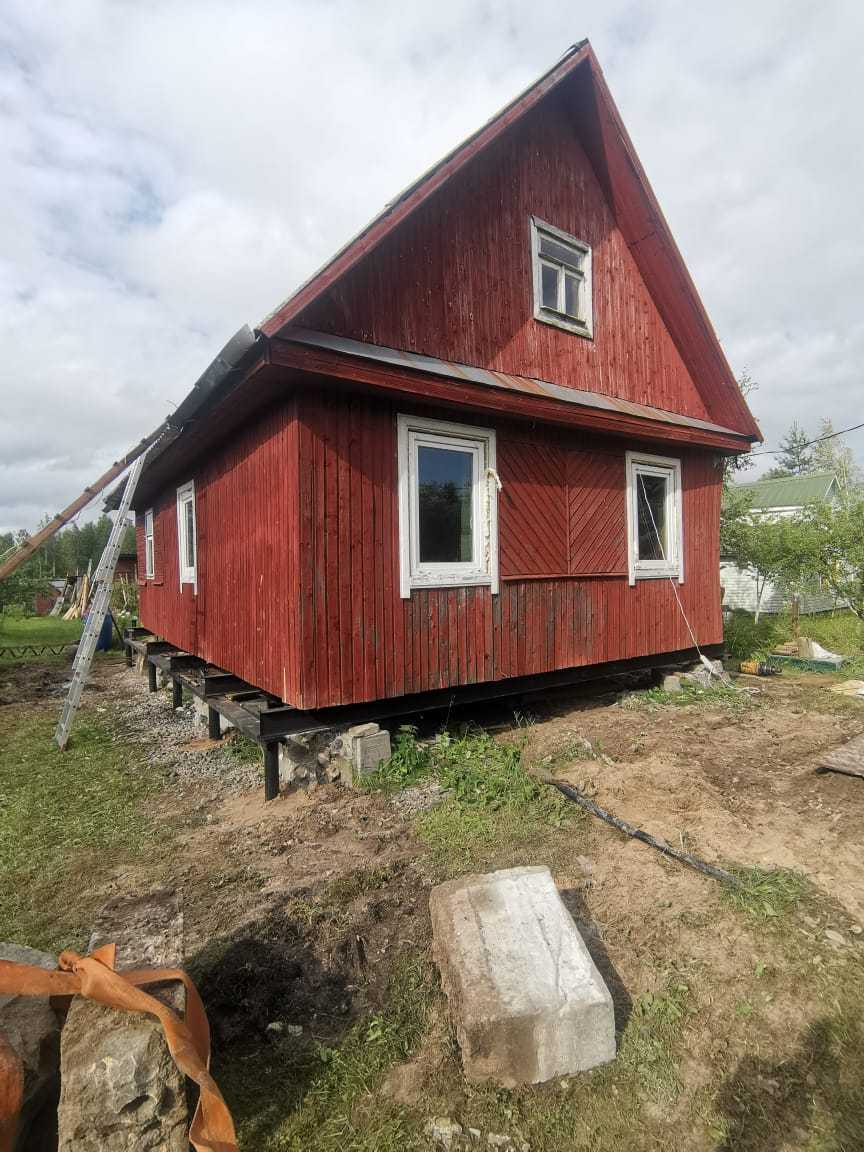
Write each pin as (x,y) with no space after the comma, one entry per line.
(484,442)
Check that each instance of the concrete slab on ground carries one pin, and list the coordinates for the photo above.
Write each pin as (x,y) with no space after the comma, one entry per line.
(527,1000)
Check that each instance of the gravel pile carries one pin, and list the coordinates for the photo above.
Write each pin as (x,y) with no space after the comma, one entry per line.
(419,798)
(176,741)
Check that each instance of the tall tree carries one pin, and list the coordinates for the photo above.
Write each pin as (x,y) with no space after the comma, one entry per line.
(795,457)
(835,455)
(830,546)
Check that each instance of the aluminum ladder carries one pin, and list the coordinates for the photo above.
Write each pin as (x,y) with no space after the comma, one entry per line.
(99,604)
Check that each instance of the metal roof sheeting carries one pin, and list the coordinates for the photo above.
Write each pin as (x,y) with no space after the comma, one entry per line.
(524,384)
(789,491)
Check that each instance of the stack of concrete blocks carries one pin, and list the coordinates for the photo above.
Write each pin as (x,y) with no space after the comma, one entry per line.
(527,1000)
(360,751)
(325,757)
(202,715)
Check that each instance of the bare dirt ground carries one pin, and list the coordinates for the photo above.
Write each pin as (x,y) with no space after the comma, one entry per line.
(299,912)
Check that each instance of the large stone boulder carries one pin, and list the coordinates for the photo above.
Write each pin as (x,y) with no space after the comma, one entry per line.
(32,1029)
(120,1088)
(527,1001)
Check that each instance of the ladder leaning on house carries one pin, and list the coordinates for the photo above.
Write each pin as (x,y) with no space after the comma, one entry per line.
(103,582)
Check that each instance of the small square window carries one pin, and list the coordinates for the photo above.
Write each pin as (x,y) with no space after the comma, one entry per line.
(187,543)
(562,279)
(447,505)
(655,529)
(149,551)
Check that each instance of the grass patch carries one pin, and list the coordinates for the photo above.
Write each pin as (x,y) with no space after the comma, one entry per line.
(720,695)
(62,815)
(343,889)
(240,747)
(839,632)
(16,630)
(648,1043)
(301,1096)
(766,894)
(494,804)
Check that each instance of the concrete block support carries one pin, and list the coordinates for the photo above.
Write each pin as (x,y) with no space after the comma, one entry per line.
(202,712)
(527,1001)
(366,746)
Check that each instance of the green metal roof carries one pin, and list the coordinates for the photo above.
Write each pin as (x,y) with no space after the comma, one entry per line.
(789,491)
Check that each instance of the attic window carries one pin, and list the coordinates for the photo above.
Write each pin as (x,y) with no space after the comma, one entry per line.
(562,279)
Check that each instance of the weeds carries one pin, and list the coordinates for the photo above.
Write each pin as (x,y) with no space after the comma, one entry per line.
(649,1038)
(766,894)
(242,749)
(690,695)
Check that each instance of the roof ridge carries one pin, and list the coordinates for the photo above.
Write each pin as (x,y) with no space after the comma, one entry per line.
(785,479)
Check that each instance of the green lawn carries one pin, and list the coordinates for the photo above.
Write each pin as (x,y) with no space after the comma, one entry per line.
(17,630)
(66,818)
(840,632)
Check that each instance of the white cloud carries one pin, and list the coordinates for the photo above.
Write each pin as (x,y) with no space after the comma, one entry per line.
(170,171)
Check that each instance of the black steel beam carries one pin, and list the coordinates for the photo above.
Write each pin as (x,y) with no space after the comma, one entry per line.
(221,684)
(151,676)
(271,769)
(214,724)
(176,693)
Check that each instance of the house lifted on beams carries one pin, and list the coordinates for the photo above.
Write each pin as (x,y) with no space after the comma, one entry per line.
(482,444)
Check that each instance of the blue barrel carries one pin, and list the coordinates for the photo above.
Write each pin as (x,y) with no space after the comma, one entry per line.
(103,644)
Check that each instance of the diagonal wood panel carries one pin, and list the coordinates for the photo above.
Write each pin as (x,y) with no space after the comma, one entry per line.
(596,486)
(532,509)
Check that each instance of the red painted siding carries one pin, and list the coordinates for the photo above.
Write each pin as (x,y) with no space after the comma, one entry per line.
(244,615)
(446,637)
(298,562)
(454,281)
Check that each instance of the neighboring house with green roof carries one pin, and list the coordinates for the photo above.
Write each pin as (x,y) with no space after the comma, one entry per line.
(787,495)
(778,499)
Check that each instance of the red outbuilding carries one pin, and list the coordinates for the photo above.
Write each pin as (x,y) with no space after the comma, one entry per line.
(485,442)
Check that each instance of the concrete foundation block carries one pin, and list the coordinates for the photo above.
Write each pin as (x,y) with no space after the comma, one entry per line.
(366,746)
(671,683)
(527,1000)
(201,710)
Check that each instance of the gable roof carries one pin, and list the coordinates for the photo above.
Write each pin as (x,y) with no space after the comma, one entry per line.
(789,491)
(637,212)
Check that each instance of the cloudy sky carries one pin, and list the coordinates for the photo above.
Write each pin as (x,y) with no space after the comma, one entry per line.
(171,170)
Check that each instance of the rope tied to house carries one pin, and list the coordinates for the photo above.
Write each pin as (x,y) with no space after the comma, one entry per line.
(721,676)
(94,976)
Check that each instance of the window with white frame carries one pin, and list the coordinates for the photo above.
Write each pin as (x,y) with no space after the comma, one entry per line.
(654,520)
(187,535)
(448,533)
(562,279)
(149,552)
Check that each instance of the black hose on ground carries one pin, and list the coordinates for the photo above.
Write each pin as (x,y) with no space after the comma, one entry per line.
(628,829)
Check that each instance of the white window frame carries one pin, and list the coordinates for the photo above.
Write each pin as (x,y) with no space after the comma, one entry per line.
(582,325)
(641,463)
(149,546)
(412,432)
(188,573)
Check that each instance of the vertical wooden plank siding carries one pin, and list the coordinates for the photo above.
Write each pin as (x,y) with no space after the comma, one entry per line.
(455,280)
(245,614)
(298,562)
(448,637)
